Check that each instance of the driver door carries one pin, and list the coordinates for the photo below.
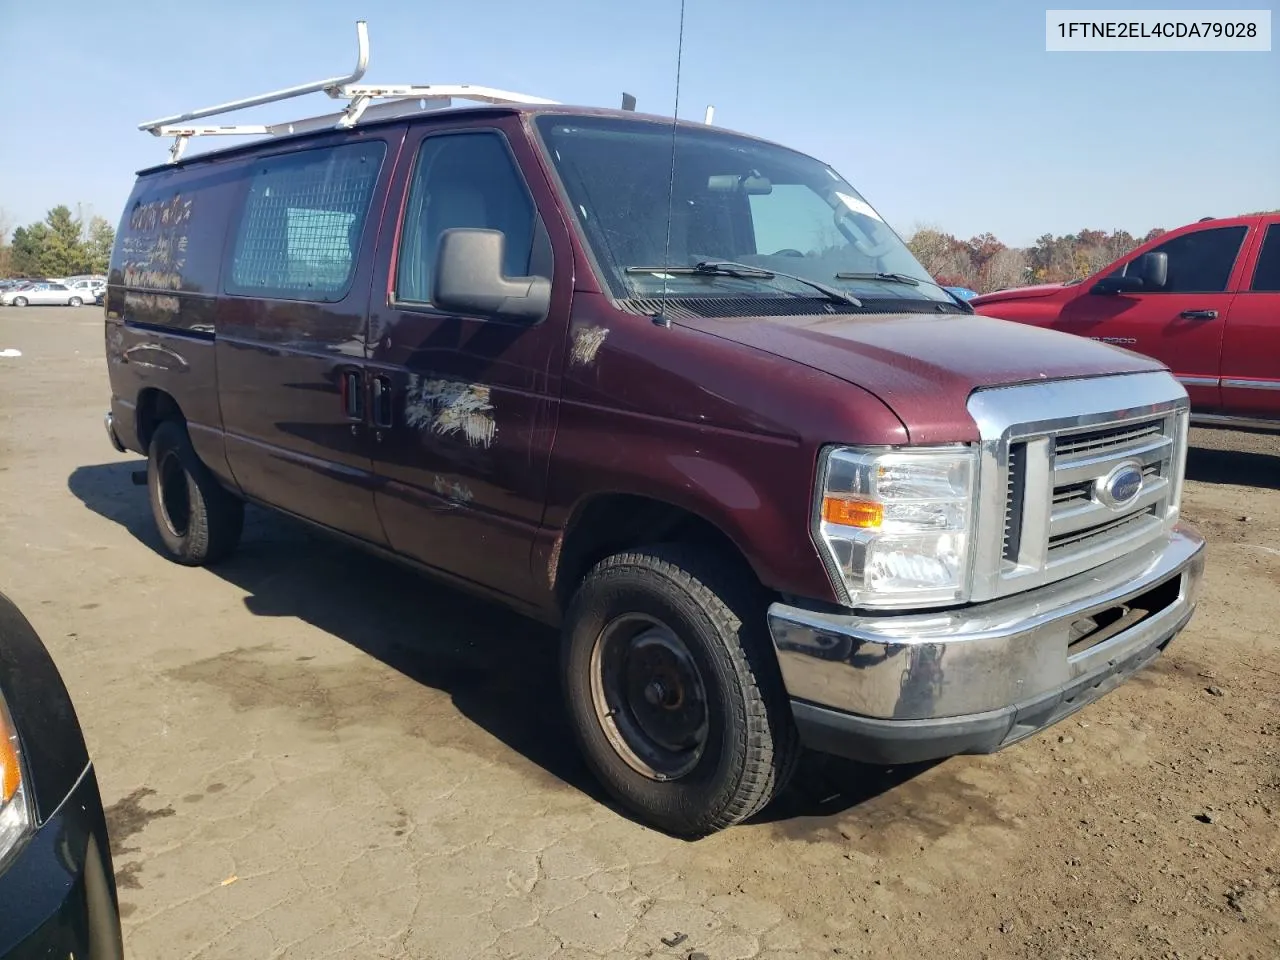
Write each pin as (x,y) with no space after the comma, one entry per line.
(1181,324)
(465,407)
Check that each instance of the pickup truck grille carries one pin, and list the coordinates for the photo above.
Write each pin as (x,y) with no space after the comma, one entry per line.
(1061,495)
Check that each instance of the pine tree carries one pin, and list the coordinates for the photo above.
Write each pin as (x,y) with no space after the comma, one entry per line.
(62,253)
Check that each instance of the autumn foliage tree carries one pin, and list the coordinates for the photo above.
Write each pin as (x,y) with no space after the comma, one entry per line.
(984,263)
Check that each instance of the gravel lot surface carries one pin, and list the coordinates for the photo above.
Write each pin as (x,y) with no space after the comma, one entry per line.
(312,753)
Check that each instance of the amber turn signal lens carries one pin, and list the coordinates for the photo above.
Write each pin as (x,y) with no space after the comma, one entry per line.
(10,775)
(849,512)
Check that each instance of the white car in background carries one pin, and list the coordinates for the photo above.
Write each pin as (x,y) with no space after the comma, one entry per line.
(44,293)
(88,289)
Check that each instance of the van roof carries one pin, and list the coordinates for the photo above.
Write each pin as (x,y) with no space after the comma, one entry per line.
(430,116)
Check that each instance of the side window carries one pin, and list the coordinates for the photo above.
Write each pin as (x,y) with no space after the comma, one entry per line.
(300,230)
(1266,276)
(462,180)
(1200,262)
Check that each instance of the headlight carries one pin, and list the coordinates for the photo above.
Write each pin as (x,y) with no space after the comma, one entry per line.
(896,526)
(15,811)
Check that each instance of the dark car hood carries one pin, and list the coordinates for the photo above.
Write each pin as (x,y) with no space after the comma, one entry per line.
(924,366)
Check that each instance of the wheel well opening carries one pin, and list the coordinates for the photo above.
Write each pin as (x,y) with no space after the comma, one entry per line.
(154,408)
(612,523)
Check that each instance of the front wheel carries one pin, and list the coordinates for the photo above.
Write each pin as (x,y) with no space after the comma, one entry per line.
(19,301)
(198,520)
(74,302)
(674,690)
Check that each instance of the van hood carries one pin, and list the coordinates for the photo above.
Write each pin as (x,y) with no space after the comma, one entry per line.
(1018,293)
(924,366)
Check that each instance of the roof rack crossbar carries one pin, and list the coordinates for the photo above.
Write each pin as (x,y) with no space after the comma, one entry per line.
(362,64)
(404,99)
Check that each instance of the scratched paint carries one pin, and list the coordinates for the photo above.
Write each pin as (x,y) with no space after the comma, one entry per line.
(451,489)
(553,562)
(115,344)
(155,355)
(449,407)
(586,344)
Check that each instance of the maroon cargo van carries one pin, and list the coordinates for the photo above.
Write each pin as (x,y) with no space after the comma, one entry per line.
(776,486)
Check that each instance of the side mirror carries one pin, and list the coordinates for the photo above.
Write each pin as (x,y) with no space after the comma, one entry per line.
(468,279)
(1148,272)
(1153,268)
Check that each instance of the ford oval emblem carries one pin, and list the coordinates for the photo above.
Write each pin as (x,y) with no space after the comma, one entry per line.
(1119,488)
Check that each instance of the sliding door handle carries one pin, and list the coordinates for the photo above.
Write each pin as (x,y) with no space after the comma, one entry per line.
(381,402)
(352,388)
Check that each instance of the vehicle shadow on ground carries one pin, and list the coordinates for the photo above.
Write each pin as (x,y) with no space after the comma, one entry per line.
(1246,468)
(499,668)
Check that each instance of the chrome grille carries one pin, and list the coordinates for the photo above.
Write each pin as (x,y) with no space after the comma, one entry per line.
(1106,527)
(1078,519)
(1095,441)
(1048,449)
(1014,486)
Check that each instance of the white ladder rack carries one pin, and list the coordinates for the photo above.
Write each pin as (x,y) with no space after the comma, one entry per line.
(403,99)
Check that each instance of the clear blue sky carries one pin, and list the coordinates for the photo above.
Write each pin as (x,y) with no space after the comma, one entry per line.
(943,113)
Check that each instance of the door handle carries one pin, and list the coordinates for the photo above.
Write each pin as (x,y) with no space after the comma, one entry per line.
(381,402)
(1199,314)
(352,388)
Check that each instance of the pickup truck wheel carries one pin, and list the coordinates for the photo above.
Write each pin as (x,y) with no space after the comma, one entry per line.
(674,691)
(198,520)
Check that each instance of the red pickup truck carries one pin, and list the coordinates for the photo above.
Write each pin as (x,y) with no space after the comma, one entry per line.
(1203,299)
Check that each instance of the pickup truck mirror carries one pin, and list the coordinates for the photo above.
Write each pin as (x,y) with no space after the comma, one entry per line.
(469,279)
(1153,268)
(1148,272)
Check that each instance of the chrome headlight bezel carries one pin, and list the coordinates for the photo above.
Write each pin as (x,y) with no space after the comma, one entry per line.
(845,550)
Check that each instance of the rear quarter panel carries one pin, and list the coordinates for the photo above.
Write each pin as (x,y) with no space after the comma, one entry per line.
(161,296)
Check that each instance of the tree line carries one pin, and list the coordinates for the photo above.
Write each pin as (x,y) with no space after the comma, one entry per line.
(984,264)
(63,244)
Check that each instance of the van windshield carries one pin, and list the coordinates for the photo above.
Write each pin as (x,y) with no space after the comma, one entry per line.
(735,199)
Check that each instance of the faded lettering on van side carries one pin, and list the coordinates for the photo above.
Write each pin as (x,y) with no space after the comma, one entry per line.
(155,248)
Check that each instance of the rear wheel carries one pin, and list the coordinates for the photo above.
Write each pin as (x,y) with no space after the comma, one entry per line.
(198,520)
(674,690)
(74,302)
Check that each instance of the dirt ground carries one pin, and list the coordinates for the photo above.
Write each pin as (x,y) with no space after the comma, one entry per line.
(312,753)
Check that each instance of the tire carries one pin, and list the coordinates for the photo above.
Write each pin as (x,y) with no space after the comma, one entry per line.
(198,520)
(19,301)
(74,302)
(748,742)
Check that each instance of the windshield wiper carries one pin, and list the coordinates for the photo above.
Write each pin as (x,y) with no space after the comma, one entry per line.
(888,277)
(745,271)
(909,281)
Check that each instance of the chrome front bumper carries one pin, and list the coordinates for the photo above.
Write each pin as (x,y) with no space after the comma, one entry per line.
(896,688)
